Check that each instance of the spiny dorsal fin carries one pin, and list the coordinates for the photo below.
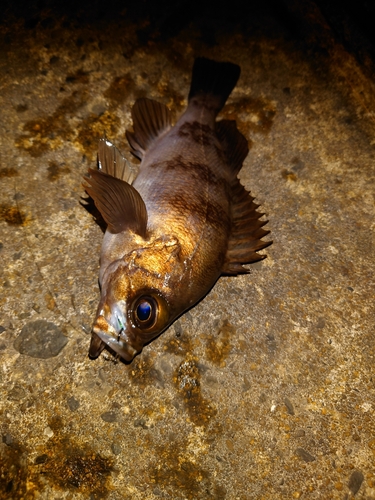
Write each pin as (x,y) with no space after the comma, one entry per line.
(150,120)
(247,233)
(112,162)
(119,203)
(233,143)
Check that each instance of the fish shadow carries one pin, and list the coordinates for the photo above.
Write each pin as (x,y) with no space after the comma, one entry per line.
(88,204)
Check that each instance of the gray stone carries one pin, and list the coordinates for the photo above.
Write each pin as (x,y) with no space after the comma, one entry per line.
(40,339)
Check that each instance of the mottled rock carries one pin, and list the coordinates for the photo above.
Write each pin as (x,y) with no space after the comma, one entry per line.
(40,339)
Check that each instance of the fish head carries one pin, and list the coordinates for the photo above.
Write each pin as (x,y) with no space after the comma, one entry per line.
(136,300)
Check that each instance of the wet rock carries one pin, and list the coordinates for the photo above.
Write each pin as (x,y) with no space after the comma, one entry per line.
(40,339)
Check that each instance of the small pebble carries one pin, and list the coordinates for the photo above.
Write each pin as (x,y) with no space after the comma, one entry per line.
(289,406)
(73,403)
(48,432)
(8,439)
(41,459)
(355,481)
(305,455)
(116,448)
(109,416)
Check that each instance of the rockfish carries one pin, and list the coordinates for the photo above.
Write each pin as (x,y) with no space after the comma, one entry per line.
(179,223)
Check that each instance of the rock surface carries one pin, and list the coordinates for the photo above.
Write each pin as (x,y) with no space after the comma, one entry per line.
(266,388)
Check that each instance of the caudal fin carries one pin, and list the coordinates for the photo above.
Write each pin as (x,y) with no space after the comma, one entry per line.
(213,79)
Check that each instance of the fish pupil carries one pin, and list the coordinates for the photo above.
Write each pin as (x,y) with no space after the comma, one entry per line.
(144,310)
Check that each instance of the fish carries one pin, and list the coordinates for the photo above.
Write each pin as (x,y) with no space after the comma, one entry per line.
(179,222)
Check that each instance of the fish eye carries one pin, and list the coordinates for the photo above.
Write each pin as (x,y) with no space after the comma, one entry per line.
(145,312)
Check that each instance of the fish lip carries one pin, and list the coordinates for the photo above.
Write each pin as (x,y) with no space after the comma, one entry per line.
(96,346)
(124,349)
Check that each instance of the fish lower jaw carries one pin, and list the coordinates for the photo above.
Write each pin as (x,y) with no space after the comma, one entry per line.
(123,349)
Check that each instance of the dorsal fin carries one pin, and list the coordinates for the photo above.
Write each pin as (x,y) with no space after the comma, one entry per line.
(150,120)
(233,143)
(247,233)
(119,203)
(112,162)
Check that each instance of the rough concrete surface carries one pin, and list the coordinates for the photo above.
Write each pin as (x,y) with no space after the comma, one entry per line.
(265,389)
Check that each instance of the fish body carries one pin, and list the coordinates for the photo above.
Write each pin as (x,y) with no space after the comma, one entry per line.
(179,223)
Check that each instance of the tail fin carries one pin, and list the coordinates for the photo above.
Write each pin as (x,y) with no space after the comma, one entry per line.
(213,79)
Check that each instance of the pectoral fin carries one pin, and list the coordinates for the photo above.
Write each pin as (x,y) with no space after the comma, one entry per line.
(119,203)
(150,120)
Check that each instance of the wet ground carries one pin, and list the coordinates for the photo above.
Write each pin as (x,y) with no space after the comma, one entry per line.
(265,389)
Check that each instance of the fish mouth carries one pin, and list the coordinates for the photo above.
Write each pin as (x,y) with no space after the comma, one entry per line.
(96,346)
(121,347)
(105,335)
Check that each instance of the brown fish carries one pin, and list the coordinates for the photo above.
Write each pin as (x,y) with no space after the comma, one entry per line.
(177,225)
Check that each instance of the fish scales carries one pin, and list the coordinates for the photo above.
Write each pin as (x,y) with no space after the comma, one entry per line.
(179,223)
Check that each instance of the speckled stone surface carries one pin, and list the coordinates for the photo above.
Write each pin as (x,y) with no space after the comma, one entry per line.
(264,390)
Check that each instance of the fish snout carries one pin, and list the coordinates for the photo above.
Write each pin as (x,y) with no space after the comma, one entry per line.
(118,341)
